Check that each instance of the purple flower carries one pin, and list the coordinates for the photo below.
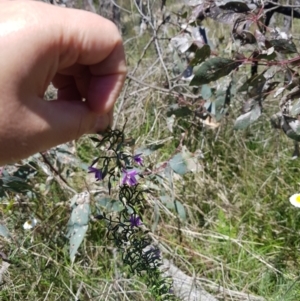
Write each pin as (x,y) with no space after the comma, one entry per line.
(97,172)
(129,177)
(135,221)
(138,159)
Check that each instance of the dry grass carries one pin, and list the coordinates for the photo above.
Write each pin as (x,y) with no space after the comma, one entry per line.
(240,236)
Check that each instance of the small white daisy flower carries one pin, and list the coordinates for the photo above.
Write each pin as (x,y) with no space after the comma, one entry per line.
(30,224)
(295,200)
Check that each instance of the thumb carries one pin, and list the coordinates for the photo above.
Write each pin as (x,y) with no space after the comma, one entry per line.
(65,120)
(47,124)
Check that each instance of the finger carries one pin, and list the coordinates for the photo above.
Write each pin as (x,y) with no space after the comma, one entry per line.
(105,57)
(77,75)
(76,38)
(67,119)
(63,114)
(99,83)
(67,88)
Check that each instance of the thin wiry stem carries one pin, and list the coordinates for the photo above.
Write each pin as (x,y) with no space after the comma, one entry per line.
(167,91)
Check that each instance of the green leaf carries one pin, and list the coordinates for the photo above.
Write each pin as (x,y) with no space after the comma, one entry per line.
(180,210)
(179,67)
(296,108)
(191,160)
(236,6)
(78,222)
(26,171)
(178,164)
(13,183)
(206,92)
(104,201)
(80,215)
(267,56)
(246,37)
(148,150)
(284,46)
(212,70)
(291,127)
(224,16)
(254,81)
(201,55)
(4,231)
(176,206)
(243,121)
(165,199)
(44,167)
(168,175)
(223,97)
(185,161)
(110,205)
(76,234)
(182,42)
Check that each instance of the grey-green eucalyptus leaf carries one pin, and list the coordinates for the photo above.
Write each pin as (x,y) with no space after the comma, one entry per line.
(4,231)
(244,120)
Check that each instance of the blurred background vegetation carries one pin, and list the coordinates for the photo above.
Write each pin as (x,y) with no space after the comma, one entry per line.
(238,236)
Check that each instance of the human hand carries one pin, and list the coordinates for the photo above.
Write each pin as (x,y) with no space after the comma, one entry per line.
(79,52)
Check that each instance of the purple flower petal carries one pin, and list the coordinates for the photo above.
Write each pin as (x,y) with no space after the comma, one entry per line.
(135,221)
(138,159)
(129,177)
(97,172)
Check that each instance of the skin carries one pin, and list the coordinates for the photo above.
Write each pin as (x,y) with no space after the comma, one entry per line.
(81,53)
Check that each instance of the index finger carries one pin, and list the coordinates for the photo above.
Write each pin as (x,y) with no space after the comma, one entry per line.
(64,39)
(97,44)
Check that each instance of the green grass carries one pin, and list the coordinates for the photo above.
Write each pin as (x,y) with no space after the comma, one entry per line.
(241,235)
